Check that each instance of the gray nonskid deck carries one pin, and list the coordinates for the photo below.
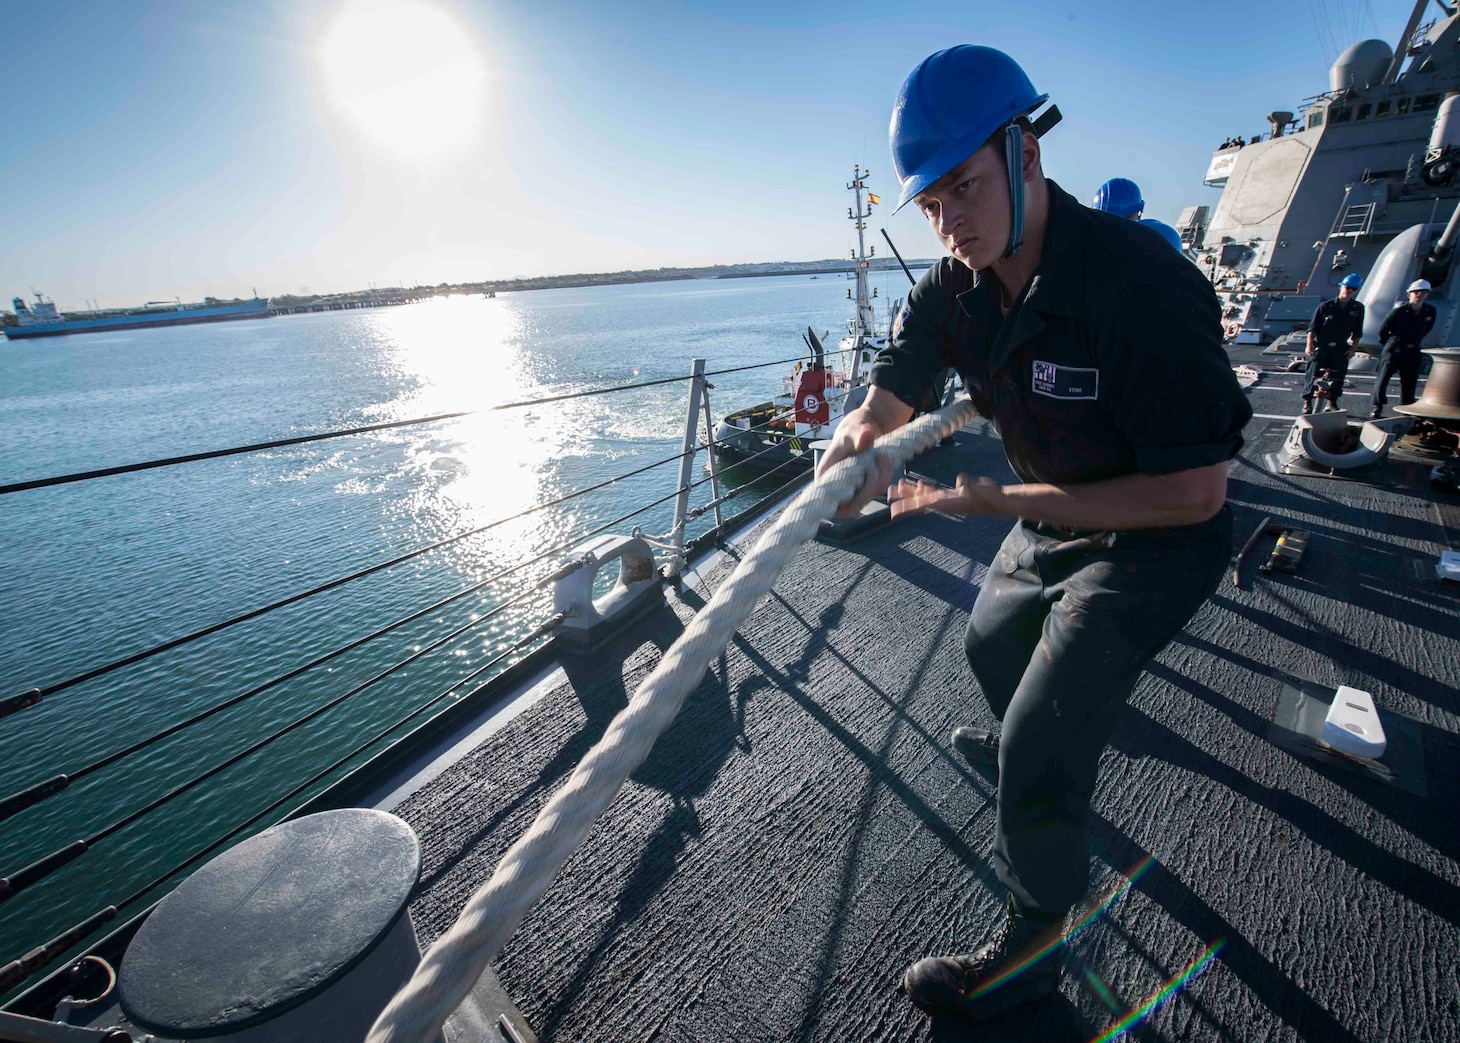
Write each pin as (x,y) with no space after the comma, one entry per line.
(804,831)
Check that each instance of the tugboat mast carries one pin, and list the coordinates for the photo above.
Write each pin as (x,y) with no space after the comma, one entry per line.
(860,326)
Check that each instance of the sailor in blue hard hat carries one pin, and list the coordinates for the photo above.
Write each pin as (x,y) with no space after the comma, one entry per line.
(1166,232)
(1333,337)
(1120,196)
(1403,330)
(1098,355)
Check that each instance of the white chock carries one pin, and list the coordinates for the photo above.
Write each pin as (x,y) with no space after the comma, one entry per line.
(1353,724)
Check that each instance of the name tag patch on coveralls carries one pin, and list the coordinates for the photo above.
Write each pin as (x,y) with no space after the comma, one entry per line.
(1065,381)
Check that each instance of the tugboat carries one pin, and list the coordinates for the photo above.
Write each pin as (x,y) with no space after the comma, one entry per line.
(776,436)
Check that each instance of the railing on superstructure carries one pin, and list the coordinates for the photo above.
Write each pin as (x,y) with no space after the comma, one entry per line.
(542,567)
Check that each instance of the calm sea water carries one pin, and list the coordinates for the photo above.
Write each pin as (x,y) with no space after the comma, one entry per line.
(96,571)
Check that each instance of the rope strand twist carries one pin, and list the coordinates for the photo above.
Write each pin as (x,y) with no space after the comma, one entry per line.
(457,959)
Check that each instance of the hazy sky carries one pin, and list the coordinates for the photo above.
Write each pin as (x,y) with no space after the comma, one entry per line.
(155,150)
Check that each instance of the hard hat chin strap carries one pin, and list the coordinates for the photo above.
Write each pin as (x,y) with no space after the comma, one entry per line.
(1014,163)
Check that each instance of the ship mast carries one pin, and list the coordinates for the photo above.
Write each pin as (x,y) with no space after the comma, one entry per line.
(1402,51)
(861,323)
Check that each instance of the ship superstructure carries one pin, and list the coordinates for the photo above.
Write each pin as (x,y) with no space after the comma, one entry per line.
(1326,191)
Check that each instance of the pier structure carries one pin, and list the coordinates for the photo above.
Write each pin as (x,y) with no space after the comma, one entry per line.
(358,299)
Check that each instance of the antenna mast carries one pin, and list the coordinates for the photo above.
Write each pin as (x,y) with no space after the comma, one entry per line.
(862,324)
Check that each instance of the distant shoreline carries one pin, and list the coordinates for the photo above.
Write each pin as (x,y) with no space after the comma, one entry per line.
(397,294)
(563,282)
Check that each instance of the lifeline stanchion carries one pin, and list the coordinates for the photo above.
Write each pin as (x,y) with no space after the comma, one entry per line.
(454,963)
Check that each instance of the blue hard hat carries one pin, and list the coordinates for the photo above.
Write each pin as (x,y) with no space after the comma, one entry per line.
(1353,279)
(948,106)
(1167,232)
(1120,196)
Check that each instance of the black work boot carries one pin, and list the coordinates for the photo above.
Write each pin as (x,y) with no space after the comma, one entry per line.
(1307,405)
(1021,965)
(979,746)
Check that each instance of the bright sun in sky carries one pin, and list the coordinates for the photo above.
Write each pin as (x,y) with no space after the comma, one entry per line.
(409,74)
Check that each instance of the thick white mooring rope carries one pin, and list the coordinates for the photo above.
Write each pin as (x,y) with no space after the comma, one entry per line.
(454,963)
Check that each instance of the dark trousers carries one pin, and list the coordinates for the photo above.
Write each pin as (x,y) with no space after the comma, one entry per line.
(1406,362)
(1059,634)
(1334,358)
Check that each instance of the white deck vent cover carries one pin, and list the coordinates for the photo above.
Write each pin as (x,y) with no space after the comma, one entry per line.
(1352,724)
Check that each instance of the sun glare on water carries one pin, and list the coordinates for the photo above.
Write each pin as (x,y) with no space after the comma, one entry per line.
(410,74)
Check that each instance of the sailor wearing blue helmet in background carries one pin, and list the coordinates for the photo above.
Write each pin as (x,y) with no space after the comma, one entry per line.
(1166,232)
(1333,337)
(1097,353)
(1122,197)
(1401,333)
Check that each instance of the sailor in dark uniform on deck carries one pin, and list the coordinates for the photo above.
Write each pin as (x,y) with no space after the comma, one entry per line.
(1333,336)
(1097,352)
(1403,330)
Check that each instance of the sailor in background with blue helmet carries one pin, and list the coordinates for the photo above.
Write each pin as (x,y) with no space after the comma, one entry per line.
(1166,232)
(1333,337)
(1122,197)
(1097,352)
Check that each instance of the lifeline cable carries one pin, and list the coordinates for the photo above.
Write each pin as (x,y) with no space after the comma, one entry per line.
(537,634)
(453,964)
(294,598)
(29,698)
(38,870)
(28,966)
(213,454)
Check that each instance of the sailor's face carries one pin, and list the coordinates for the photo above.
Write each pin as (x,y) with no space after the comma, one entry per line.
(968,209)
(1417,297)
(1346,293)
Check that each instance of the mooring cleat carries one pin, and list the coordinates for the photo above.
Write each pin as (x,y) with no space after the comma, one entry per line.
(1021,965)
(979,746)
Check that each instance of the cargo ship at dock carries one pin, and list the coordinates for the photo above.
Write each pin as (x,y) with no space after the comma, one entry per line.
(41,319)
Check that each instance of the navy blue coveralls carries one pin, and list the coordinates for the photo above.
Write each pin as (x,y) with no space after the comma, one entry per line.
(1110,363)
(1401,334)
(1335,327)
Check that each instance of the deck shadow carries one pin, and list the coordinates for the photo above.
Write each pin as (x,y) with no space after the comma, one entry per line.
(832,941)
(1141,736)
(601,694)
(1287,1001)
(683,763)
(1056,1021)
(1286,492)
(786,684)
(1426,818)
(1341,651)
